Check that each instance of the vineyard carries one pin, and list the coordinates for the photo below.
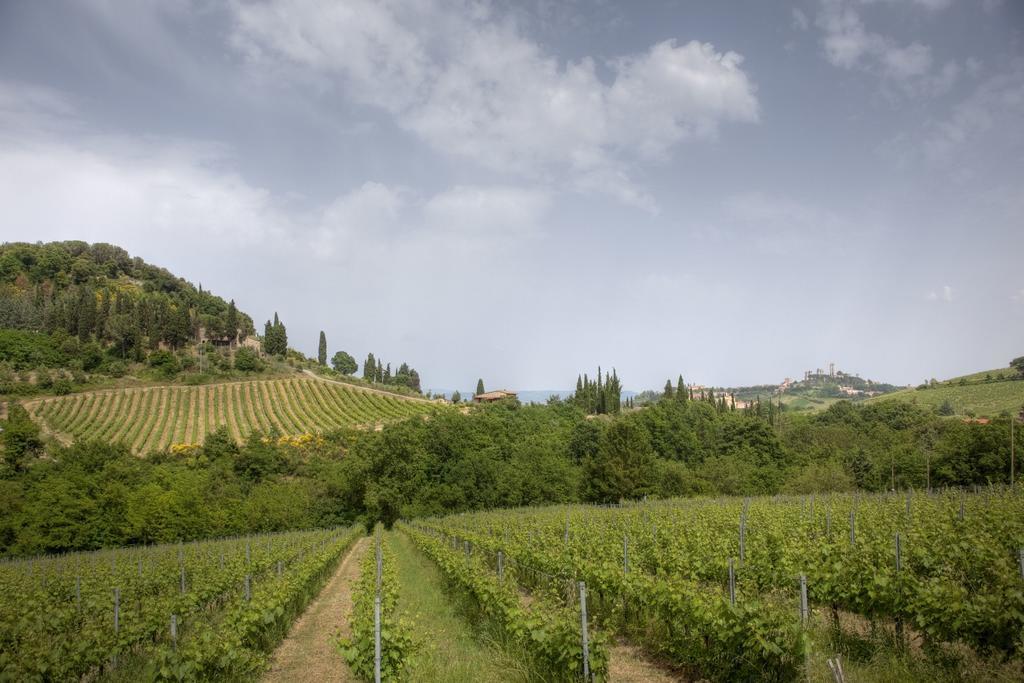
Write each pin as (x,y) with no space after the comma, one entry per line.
(738,589)
(155,418)
(210,610)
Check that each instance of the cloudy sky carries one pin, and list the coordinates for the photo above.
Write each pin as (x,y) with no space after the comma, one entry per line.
(524,190)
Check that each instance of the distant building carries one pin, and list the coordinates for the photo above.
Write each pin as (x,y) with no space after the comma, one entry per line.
(491,396)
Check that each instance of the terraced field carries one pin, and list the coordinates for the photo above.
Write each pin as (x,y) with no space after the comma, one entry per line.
(154,418)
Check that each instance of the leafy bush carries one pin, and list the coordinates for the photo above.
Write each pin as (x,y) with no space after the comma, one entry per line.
(62,386)
(116,368)
(247,360)
(164,361)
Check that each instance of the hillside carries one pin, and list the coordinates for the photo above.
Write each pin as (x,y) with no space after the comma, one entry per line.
(818,390)
(161,417)
(984,394)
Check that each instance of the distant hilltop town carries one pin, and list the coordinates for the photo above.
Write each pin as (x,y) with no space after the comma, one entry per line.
(818,388)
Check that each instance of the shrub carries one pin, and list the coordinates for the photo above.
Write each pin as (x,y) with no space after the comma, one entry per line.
(246,360)
(117,368)
(164,361)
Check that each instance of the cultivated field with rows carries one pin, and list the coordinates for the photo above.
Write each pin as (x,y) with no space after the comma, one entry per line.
(763,588)
(155,418)
(197,611)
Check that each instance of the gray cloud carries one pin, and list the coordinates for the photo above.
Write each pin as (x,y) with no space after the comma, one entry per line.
(523,190)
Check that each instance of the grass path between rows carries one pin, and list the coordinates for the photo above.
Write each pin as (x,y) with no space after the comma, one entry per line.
(309,653)
(451,649)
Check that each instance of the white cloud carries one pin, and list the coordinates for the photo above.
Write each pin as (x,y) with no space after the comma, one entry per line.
(997,103)
(849,44)
(468,82)
(484,209)
(179,197)
(800,20)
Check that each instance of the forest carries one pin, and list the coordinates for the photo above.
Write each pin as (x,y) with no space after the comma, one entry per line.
(92,494)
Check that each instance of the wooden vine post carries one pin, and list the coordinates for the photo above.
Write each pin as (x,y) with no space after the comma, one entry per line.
(376,616)
(583,631)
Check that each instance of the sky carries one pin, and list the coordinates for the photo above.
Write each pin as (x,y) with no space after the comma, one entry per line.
(522,191)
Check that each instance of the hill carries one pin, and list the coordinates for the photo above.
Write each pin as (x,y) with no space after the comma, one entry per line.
(178,417)
(988,393)
(818,390)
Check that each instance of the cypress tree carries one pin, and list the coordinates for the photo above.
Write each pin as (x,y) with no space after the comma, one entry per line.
(231,322)
(321,355)
(102,313)
(668,388)
(370,368)
(479,387)
(86,314)
(681,390)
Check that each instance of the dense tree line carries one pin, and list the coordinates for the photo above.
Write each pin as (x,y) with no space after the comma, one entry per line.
(377,371)
(497,455)
(275,337)
(99,294)
(598,397)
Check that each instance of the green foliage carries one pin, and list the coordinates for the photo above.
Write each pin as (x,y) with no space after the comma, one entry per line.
(623,466)
(165,362)
(548,630)
(163,417)
(344,363)
(1018,365)
(275,338)
(479,387)
(322,349)
(99,292)
(24,349)
(396,631)
(221,635)
(247,360)
(600,397)
(958,582)
(20,437)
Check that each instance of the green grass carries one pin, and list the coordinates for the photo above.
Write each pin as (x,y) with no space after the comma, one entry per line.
(982,398)
(879,657)
(452,648)
(802,402)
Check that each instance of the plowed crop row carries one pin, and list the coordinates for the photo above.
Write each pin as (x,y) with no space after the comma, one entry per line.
(154,418)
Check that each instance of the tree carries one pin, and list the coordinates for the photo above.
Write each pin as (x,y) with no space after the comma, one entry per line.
(456,397)
(370,368)
(321,355)
(668,389)
(275,338)
(623,466)
(344,363)
(681,394)
(1018,365)
(231,323)
(20,437)
(479,387)
(946,408)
